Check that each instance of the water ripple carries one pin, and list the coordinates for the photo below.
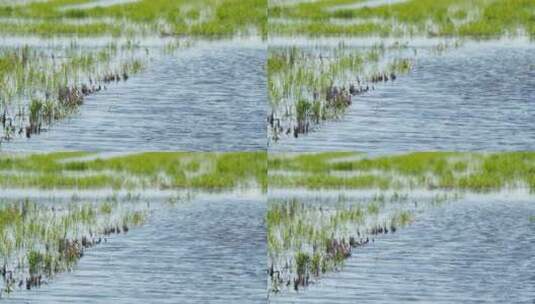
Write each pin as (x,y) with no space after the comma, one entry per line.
(474,251)
(210,250)
(474,98)
(211,97)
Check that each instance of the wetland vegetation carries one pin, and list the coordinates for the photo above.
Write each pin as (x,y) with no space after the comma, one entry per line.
(325,206)
(426,170)
(308,238)
(41,86)
(39,241)
(46,71)
(308,86)
(476,18)
(158,170)
(129,18)
(44,232)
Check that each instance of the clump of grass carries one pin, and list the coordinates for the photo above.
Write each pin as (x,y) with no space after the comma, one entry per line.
(39,241)
(44,86)
(302,262)
(35,261)
(307,239)
(144,17)
(311,85)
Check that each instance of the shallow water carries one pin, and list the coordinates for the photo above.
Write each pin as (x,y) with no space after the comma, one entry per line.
(97,3)
(473,251)
(363,4)
(211,249)
(209,97)
(473,98)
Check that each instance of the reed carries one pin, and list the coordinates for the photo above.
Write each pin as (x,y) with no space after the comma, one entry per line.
(308,86)
(309,238)
(43,86)
(38,241)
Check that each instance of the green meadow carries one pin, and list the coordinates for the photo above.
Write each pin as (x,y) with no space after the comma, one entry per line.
(159,170)
(428,170)
(163,17)
(474,18)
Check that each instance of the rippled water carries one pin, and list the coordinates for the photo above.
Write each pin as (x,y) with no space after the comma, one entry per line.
(211,249)
(209,97)
(478,97)
(474,251)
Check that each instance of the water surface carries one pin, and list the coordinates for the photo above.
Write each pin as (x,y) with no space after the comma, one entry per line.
(479,250)
(208,97)
(209,250)
(478,98)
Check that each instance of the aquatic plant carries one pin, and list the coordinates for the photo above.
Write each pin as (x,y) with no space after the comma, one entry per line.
(309,238)
(43,85)
(311,85)
(162,170)
(38,240)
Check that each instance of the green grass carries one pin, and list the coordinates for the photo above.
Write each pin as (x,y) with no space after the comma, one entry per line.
(181,17)
(163,170)
(318,236)
(302,82)
(443,170)
(38,241)
(40,87)
(474,18)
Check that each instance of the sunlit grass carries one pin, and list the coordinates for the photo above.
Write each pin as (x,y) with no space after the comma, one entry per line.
(161,170)
(169,17)
(475,18)
(38,241)
(307,239)
(310,85)
(444,170)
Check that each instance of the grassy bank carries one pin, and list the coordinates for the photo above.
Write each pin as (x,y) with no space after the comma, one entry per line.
(165,17)
(161,170)
(475,18)
(430,170)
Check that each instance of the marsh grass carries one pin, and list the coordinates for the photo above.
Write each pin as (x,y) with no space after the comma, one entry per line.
(43,85)
(476,19)
(310,85)
(309,238)
(431,170)
(38,241)
(161,170)
(144,17)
